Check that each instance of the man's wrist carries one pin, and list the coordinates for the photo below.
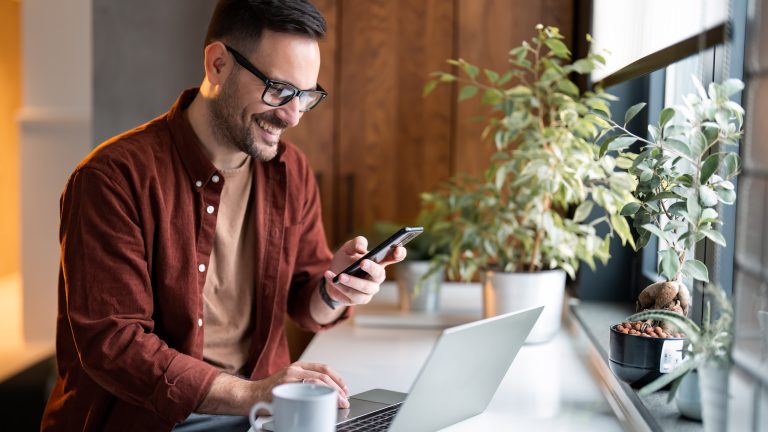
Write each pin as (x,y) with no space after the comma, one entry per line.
(330,302)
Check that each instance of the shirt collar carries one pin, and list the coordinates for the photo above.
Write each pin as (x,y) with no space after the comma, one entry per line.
(198,166)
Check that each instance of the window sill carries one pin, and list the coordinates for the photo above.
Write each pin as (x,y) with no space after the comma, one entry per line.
(647,413)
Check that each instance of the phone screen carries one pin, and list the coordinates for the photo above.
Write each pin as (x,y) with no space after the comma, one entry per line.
(377,254)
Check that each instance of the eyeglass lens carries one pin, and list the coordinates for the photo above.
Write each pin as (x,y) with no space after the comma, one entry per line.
(279,94)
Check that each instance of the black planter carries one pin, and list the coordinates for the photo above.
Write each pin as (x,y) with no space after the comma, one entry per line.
(638,360)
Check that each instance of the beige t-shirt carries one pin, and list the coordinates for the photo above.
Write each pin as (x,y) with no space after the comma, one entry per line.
(228,290)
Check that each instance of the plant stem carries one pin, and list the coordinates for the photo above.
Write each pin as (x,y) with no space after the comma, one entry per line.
(539,235)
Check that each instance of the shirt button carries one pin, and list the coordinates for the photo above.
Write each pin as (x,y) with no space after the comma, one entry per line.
(199,183)
(201,267)
(199,322)
(209,209)
(215,179)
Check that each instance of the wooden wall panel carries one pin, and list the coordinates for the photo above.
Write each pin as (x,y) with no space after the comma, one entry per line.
(316,132)
(376,144)
(487,30)
(393,144)
(425,41)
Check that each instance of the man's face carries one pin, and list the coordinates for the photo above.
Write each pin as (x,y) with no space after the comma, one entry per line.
(240,117)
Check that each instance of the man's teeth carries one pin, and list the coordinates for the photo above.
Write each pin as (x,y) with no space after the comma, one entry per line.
(268,128)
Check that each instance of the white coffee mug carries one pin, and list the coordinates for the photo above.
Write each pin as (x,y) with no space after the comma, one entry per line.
(298,407)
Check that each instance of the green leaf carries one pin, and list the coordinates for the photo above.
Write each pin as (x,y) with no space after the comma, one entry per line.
(654,132)
(656,231)
(467,92)
(709,167)
(492,76)
(632,112)
(492,96)
(727,196)
(567,87)
(698,143)
(707,196)
(470,69)
(676,374)
(678,146)
(696,269)
(582,211)
(504,78)
(621,143)
(583,66)
(643,240)
(501,175)
(446,77)
(557,47)
(678,209)
(518,91)
(694,211)
(731,164)
(621,226)
(662,196)
(670,263)
(665,116)
(713,235)
(630,209)
(429,87)
(606,143)
(731,87)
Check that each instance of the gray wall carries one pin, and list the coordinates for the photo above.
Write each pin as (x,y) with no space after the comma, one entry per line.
(145,52)
(748,409)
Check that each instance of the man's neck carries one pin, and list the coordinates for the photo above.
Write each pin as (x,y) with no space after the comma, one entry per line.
(221,155)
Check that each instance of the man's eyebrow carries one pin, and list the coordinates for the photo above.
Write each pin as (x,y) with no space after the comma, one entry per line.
(313,88)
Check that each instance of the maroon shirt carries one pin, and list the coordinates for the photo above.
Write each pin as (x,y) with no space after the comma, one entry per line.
(135,244)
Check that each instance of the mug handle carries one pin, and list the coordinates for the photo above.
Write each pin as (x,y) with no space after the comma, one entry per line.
(252,416)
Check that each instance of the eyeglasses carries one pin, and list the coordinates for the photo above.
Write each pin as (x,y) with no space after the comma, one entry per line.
(278,93)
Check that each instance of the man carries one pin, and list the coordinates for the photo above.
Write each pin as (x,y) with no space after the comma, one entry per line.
(186,241)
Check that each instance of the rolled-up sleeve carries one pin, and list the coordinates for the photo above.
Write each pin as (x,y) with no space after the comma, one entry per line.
(109,302)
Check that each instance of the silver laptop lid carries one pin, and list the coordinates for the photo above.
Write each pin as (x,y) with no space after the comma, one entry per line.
(463,371)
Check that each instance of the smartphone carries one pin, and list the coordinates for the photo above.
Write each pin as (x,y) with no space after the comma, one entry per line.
(377,254)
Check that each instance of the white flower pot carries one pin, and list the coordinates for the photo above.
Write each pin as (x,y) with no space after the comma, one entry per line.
(427,297)
(688,397)
(713,383)
(509,292)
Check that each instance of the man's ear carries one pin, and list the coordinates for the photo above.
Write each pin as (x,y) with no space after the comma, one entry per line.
(218,63)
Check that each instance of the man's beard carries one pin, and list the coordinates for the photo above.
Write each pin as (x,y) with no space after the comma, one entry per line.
(224,114)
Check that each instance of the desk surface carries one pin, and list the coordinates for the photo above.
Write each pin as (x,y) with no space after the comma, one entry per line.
(548,387)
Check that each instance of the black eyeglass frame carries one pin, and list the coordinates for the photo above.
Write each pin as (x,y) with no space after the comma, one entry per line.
(242,61)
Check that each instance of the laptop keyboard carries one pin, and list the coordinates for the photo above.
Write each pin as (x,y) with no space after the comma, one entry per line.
(378,421)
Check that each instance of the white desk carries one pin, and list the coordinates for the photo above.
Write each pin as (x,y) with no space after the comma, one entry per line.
(547,388)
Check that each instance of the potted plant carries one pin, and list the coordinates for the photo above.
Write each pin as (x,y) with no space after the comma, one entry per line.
(418,277)
(526,223)
(707,350)
(684,173)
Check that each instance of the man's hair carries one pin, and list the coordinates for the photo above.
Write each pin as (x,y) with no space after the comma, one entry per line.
(241,22)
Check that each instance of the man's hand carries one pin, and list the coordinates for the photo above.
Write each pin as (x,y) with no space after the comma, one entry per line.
(232,395)
(312,373)
(352,290)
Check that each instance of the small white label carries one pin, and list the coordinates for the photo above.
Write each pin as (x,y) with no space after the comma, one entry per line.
(671,355)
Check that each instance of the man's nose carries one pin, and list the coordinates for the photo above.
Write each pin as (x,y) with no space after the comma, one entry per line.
(289,113)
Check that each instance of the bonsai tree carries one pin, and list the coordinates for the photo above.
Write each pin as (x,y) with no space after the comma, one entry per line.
(530,209)
(684,173)
(709,343)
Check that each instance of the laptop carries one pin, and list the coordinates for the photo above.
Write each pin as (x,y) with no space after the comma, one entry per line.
(458,380)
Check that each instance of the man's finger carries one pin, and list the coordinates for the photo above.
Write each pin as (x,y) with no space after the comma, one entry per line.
(327,371)
(397,255)
(358,245)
